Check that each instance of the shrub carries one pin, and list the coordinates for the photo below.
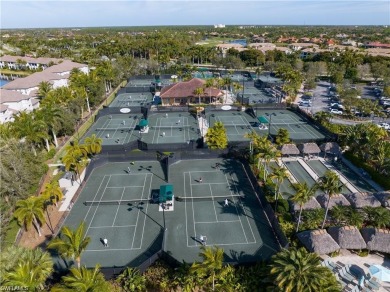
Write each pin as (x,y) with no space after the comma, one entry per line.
(51,153)
(282,206)
(363,253)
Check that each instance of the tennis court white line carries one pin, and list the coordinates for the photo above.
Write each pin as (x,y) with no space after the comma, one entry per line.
(185,205)
(133,125)
(90,222)
(203,183)
(125,186)
(208,222)
(239,217)
(139,211)
(111,249)
(215,210)
(234,243)
(117,209)
(204,171)
(97,192)
(146,211)
(192,205)
(116,226)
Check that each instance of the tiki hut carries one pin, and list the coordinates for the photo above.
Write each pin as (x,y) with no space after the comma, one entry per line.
(309,149)
(361,200)
(347,237)
(377,239)
(310,205)
(338,200)
(331,148)
(289,149)
(318,241)
(384,198)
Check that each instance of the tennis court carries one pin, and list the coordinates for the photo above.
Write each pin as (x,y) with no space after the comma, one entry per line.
(124,100)
(299,128)
(116,129)
(240,227)
(115,204)
(140,82)
(237,124)
(172,127)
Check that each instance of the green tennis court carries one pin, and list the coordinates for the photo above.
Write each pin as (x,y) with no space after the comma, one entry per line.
(240,226)
(117,129)
(124,100)
(299,128)
(172,127)
(133,230)
(116,204)
(237,124)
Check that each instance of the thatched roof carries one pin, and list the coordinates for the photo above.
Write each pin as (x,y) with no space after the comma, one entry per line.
(310,205)
(377,239)
(309,148)
(318,241)
(289,149)
(347,237)
(331,147)
(338,200)
(384,198)
(361,200)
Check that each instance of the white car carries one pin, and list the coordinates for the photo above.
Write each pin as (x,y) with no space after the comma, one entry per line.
(385,126)
(336,111)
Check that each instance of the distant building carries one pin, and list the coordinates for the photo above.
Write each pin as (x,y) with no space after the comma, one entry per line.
(21,63)
(219,25)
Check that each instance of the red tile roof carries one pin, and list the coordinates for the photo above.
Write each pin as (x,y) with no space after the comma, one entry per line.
(187,89)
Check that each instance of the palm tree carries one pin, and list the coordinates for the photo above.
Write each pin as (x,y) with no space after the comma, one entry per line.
(331,185)
(75,157)
(93,144)
(303,194)
(279,173)
(51,116)
(199,91)
(31,129)
(83,280)
(210,83)
(73,243)
(268,153)
(31,271)
(298,270)
(355,218)
(131,280)
(380,217)
(340,214)
(43,89)
(227,82)
(30,212)
(52,192)
(211,268)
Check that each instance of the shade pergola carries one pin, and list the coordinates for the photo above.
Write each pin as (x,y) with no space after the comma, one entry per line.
(263,120)
(318,241)
(309,205)
(309,148)
(289,149)
(166,193)
(338,200)
(361,200)
(384,198)
(331,148)
(377,239)
(347,237)
(143,123)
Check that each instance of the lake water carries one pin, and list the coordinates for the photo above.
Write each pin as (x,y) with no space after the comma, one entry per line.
(3,82)
(241,42)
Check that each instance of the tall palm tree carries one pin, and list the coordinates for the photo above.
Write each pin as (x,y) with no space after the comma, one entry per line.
(211,268)
(52,192)
(279,173)
(331,185)
(71,244)
(31,129)
(303,194)
(267,154)
(75,157)
(43,89)
(83,280)
(30,212)
(298,270)
(131,280)
(93,144)
(210,83)
(380,217)
(199,91)
(51,116)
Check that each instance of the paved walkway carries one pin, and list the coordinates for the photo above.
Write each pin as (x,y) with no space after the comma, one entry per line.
(308,169)
(69,194)
(341,177)
(203,125)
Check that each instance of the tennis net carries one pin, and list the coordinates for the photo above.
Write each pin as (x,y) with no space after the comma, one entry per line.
(117,202)
(291,124)
(242,126)
(171,127)
(114,129)
(231,198)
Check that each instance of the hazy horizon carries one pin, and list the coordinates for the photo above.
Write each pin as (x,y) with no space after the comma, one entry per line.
(84,14)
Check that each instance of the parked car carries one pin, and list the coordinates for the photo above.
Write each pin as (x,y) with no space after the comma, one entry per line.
(385,126)
(336,111)
(305,103)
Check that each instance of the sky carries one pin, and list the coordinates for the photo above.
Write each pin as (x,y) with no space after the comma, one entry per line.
(85,13)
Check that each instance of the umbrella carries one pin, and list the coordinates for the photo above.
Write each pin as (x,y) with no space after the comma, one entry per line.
(380,273)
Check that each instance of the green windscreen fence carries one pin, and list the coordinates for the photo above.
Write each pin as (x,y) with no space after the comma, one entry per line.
(166,193)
